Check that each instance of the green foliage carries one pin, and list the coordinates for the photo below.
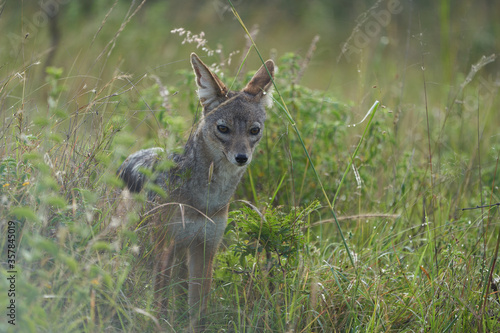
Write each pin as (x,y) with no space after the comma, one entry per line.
(421,263)
(276,233)
(265,243)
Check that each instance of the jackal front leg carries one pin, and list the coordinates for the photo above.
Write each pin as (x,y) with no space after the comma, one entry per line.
(165,271)
(200,279)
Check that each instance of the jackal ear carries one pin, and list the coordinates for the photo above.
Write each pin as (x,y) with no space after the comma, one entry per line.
(261,83)
(211,90)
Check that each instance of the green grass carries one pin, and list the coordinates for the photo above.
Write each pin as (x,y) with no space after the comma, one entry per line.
(335,228)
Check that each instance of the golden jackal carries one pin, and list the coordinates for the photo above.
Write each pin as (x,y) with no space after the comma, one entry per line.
(201,183)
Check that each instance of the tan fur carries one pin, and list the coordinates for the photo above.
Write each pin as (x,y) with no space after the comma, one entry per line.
(191,221)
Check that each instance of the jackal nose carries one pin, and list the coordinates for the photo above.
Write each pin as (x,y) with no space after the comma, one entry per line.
(241,158)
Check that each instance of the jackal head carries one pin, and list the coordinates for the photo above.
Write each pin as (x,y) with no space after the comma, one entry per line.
(233,121)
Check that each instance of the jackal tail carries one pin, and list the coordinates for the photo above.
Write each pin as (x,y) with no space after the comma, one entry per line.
(132,169)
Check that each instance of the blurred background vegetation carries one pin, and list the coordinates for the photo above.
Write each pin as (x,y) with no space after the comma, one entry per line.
(83,83)
(367,50)
(69,33)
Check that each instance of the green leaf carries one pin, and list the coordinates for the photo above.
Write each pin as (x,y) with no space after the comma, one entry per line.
(48,246)
(102,246)
(24,212)
(55,201)
(41,121)
(71,263)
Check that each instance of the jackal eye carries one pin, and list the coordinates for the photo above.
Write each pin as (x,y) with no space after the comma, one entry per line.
(255,130)
(223,129)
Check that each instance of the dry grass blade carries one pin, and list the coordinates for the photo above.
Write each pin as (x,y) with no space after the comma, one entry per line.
(357,217)
(307,59)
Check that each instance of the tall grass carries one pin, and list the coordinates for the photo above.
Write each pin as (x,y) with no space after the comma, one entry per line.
(389,225)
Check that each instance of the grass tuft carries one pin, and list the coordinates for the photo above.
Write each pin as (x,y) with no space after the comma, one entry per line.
(386,225)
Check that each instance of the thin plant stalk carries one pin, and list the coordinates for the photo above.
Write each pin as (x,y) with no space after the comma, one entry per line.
(284,108)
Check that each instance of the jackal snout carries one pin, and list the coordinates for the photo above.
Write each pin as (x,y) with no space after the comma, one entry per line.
(237,137)
(239,157)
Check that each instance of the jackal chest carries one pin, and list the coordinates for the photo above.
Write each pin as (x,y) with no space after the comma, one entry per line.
(212,194)
(186,224)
